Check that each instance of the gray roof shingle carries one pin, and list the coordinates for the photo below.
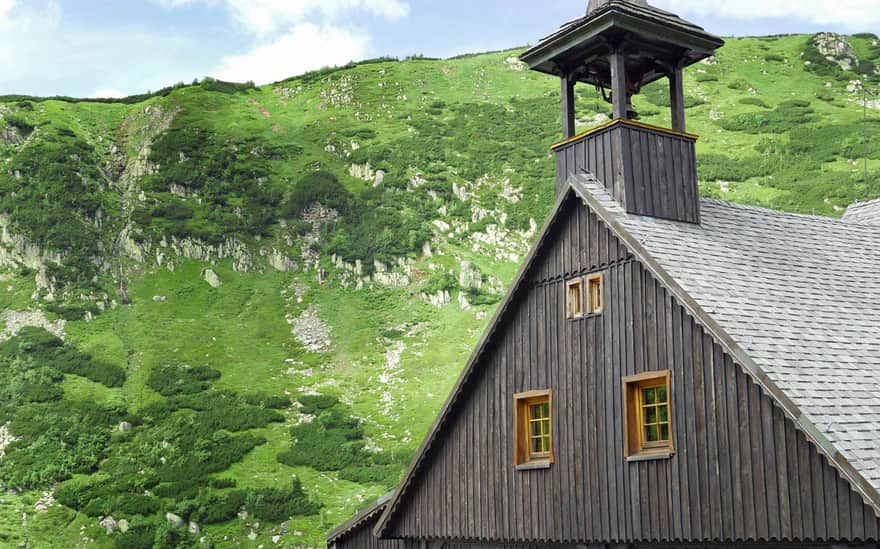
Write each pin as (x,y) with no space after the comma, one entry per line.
(864,213)
(800,294)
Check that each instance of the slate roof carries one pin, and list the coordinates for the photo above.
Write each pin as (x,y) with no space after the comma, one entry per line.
(642,10)
(370,514)
(800,295)
(866,213)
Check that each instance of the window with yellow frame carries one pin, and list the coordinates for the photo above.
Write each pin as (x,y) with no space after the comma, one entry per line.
(533,421)
(648,415)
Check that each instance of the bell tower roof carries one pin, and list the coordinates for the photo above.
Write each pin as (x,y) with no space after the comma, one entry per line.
(656,41)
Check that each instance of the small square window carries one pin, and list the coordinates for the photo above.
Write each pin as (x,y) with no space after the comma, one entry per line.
(595,293)
(533,423)
(574,298)
(648,416)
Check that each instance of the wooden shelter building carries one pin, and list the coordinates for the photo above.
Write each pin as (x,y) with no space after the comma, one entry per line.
(665,371)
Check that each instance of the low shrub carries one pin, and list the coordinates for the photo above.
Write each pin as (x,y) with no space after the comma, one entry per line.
(176,380)
(215,508)
(314,404)
(716,167)
(754,101)
(275,504)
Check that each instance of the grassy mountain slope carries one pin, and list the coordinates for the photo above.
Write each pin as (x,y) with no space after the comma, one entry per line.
(202,339)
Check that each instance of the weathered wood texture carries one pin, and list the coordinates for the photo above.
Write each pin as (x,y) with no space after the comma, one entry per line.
(742,472)
(363,538)
(649,172)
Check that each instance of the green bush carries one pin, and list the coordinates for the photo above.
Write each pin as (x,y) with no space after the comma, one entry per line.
(275,504)
(215,508)
(774,58)
(384,475)
(739,84)
(319,187)
(176,380)
(314,404)
(786,116)
(706,77)
(715,167)
(754,101)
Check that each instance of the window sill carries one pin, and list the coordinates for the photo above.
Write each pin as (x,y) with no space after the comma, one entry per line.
(650,456)
(534,465)
(584,317)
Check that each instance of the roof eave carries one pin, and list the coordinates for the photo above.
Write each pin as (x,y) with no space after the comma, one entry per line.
(543,54)
(353,523)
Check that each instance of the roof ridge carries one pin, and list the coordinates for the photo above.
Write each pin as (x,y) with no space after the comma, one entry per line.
(863,203)
(783,213)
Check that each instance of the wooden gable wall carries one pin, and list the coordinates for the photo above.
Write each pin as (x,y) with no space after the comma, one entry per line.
(742,470)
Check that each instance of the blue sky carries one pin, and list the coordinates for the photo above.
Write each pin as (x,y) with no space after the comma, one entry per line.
(114,47)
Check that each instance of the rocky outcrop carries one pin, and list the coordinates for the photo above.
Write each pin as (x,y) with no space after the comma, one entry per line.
(10,135)
(16,320)
(835,47)
(367,173)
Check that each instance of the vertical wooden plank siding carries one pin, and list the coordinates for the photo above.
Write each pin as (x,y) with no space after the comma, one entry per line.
(742,470)
(647,171)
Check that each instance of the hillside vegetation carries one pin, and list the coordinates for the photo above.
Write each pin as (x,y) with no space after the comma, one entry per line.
(231,313)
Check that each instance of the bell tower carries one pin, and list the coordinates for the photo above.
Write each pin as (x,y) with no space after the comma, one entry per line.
(619,47)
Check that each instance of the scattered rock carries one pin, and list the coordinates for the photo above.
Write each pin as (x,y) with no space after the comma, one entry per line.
(159,298)
(174,520)
(212,278)
(194,528)
(6,438)
(123,525)
(46,500)
(124,427)
(312,332)
(252,535)
(513,63)
(108,524)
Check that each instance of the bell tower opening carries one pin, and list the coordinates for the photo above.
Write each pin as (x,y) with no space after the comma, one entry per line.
(619,47)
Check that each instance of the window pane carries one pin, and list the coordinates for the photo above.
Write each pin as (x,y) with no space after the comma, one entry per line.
(661,394)
(546,443)
(536,445)
(650,396)
(664,413)
(650,415)
(536,428)
(664,431)
(651,434)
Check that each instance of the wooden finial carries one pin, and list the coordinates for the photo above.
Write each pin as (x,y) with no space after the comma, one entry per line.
(599,4)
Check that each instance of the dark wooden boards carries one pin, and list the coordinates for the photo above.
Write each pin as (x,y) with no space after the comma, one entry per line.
(742,469)
(649,171)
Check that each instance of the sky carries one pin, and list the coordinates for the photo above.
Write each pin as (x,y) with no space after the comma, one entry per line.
(112,48)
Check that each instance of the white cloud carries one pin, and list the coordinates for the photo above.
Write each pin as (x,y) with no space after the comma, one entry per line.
(109,93)
(305,47)
(856,14)
(5,7)
(43,53)
(265,17)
